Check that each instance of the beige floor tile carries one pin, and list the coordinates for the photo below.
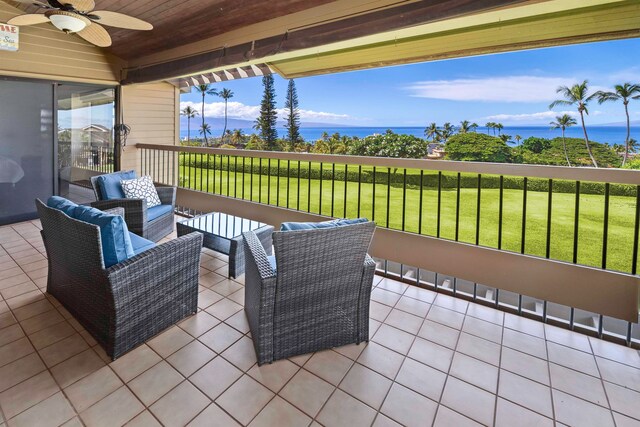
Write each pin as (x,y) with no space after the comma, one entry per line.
(135,362)
(41,321)
(431,354)
(577,412)
(451,303)
(10,334)
(114,410)
(578,384)
(385,297)
(408,407)
(567,338)
(447,317)
(342,409)
(220,337)
(623,400)
(525,343)
(154,383)
(242,354)
(180,405)
(393,338)
(28,393)
(15,350)
(624,421)
(525,392)
(191,357)
(213,416)
(198,324)
(616,352)
(18,371)
(329,365)
(480,328)
(226,287)
(210,279)
(413,306)
(378,311)
(244,399)
(7,319)
(439,334)
(16,290)
(170,341)
(574,359)
(469,400)
(40,306)
(392,285)
(366,385)
(522,324)
(93,388)
(239,321)
(215,377)
(525,365)
(73,422)
(53,411)
(279,412)
(224,309)
(207,298)
(237,297)
(51,335)
(274,375)
(307,392)
(381,360)
(77,367)
(487,314)
(404,321)
(475,372)
(448,418)
(507,413)
(352,351)
(144,419)
(421,378)
(619,373)
(63,350)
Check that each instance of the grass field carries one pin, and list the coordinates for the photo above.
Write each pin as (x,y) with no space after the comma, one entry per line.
(323,197)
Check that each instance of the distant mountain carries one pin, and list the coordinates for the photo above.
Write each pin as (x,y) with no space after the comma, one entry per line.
(633,123)
(218,123)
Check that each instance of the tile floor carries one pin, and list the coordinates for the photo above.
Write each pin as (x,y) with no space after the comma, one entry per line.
(432,361)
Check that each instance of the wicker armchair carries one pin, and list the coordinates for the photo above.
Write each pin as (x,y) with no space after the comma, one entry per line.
(316,297)
(136,212)
(123,305)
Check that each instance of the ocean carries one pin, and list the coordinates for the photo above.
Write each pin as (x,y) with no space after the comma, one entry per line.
(604,134)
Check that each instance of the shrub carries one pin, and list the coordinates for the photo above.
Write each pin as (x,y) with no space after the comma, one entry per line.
(477,147)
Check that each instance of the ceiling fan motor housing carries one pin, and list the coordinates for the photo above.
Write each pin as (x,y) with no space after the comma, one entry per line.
(69,22)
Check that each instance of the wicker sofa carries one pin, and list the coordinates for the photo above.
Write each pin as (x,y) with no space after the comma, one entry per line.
(129,302)
(313,295)
(136,212)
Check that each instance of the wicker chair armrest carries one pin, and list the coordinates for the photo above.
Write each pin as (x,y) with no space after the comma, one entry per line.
(257,255)
(156,271)
(369,268)
(368,271)
(167,195)
(114,211)
(135,211)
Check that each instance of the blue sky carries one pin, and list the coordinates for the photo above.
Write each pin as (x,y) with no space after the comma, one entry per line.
(512,88)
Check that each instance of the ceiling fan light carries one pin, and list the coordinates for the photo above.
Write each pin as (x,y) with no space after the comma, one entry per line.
(68,24)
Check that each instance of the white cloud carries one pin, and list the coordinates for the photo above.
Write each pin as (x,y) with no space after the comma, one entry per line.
(493,89)
(238,110)
(530,117)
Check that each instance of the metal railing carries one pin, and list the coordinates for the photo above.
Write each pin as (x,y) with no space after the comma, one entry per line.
(580,216)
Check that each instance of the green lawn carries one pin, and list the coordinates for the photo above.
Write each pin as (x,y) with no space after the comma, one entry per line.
(360,202)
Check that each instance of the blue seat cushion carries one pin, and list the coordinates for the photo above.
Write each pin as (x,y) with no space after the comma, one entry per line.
(293,226)
(157,211)
(116,243)
(62,204)
(272,261)
(110,186)
(140,244)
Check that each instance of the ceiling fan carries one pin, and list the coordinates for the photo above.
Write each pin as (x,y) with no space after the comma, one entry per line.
(78,17)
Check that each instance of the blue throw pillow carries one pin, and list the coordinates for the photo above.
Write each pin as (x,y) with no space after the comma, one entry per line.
(110,186)
(293,226)
(116,242)
(62,204)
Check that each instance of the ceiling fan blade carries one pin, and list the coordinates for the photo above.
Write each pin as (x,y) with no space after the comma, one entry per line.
(96,34)
(120,20)
(28,19)
(80,5)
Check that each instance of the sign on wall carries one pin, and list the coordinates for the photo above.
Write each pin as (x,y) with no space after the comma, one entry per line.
(9,37)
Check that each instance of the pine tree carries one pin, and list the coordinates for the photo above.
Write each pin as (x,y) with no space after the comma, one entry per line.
(293,114)
(266,122)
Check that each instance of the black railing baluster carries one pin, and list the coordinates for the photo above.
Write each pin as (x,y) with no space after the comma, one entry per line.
(524,215)
(458,208)
(251,182)
(359,188)
(549,213)
(244,172)
(420,200)
(576,226)
(298,197)
(235,177)
(228,173)
(260,182)
(500,207)
(404,198)
(388,194)
(288,180)
(215,164)
(478,209)
(201,171)
(605,231)
(278,184)
(346,173)
(221,171)
(208,165)
(439,204)
(636,232)
(309,188)
(333,186)
(269,181)
(320,195)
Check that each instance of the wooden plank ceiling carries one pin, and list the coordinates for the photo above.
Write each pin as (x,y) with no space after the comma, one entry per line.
(177,23)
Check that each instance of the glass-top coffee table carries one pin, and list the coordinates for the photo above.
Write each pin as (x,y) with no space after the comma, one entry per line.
(223,233)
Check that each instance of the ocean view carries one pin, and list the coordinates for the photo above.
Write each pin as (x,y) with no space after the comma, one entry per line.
(604,134)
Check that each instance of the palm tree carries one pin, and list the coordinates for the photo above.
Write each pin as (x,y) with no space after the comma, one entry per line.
(489,125)
(577,95)
(237,137)
(518,138)
(473,126)
(225,94)
(431,131)
(205,130)
(446,131)
(205,89)
(189,112)
(465,126)
(498,126)
(562,123)
(624,92)
(633,145)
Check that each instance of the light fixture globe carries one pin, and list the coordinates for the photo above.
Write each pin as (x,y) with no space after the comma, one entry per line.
(68,22)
